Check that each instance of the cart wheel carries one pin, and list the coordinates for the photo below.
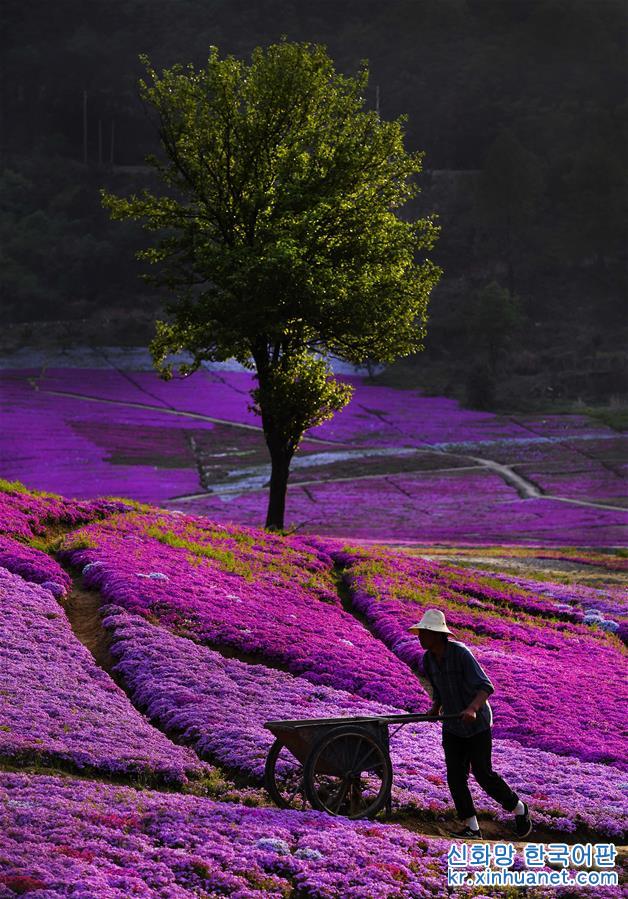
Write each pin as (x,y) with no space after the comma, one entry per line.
(348,772)
(283,777)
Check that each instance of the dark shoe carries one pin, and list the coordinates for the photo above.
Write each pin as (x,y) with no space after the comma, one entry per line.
(466,834)
(523,824)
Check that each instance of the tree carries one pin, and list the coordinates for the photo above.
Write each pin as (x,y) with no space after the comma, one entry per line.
(492,318)
(282,242)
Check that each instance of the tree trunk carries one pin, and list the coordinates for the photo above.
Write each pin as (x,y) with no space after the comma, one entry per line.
(280,445)
(280,458)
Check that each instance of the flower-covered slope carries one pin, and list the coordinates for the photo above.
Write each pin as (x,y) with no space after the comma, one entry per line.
(171,584)
(27,514)
(251,592)
(99,841)
(560,685)
(112,843)
(219,707)
(31,520)
(58,708)
(33,565)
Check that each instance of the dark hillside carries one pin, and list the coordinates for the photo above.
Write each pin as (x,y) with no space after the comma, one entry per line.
(519,106)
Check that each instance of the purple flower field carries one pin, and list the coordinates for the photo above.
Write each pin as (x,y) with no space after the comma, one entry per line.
(84,449)
(219,706)
(520,650)
(199,627)
(453,507)
(59,708)
(426,464)
(95,840)
(34,566)
(239,591)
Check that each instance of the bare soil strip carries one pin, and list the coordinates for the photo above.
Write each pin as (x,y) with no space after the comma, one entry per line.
(83,610)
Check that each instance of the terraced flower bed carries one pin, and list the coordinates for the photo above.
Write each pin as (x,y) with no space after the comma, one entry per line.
(34,565)
(26,514)
(219,707)
(253,593)
(212,629)
(545,673)
(58,708)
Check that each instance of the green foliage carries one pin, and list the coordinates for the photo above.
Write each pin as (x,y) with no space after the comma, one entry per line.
(596,191)
(78,540)
(614,417)
(13,487)
(133,504)
(299,393)
(57,247)
(18,487)
(492,318)
(284,230)
(279,235)
(509,199)
(480,387)
(550,72)
(511,183)
(227,559)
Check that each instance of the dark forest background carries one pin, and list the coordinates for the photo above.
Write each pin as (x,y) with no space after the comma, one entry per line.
(519,105)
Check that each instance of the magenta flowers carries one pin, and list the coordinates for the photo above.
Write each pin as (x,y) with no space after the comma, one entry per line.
(218,706)
(544,670)
(255,594)
(112,842)
(58,707)
(207,631)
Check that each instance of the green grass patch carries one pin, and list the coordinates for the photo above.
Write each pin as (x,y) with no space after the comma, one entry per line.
(225,557)
(617,419)
(18,487)
(78,540)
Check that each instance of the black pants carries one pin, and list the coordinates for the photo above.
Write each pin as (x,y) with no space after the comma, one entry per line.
(464,753)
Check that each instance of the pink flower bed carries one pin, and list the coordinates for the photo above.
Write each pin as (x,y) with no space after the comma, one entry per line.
(219,706)
(544,676)
(97,840)
(254,593)
(59,707)
(64,444)
(465,507)
(25,514)
(609,560)
(577,599)
(34,566)
(598,485)
(214,394)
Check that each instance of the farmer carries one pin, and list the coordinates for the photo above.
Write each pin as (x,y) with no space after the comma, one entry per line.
(460,686)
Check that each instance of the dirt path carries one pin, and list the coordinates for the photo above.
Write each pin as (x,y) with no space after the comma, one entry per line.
(83,610)
(493,830)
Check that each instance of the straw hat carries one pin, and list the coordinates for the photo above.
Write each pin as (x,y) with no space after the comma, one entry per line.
(433,620)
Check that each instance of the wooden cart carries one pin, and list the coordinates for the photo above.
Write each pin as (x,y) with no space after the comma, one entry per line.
(338,765)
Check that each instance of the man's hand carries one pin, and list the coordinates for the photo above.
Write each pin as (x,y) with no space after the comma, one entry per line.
(434,710)
(469,716)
